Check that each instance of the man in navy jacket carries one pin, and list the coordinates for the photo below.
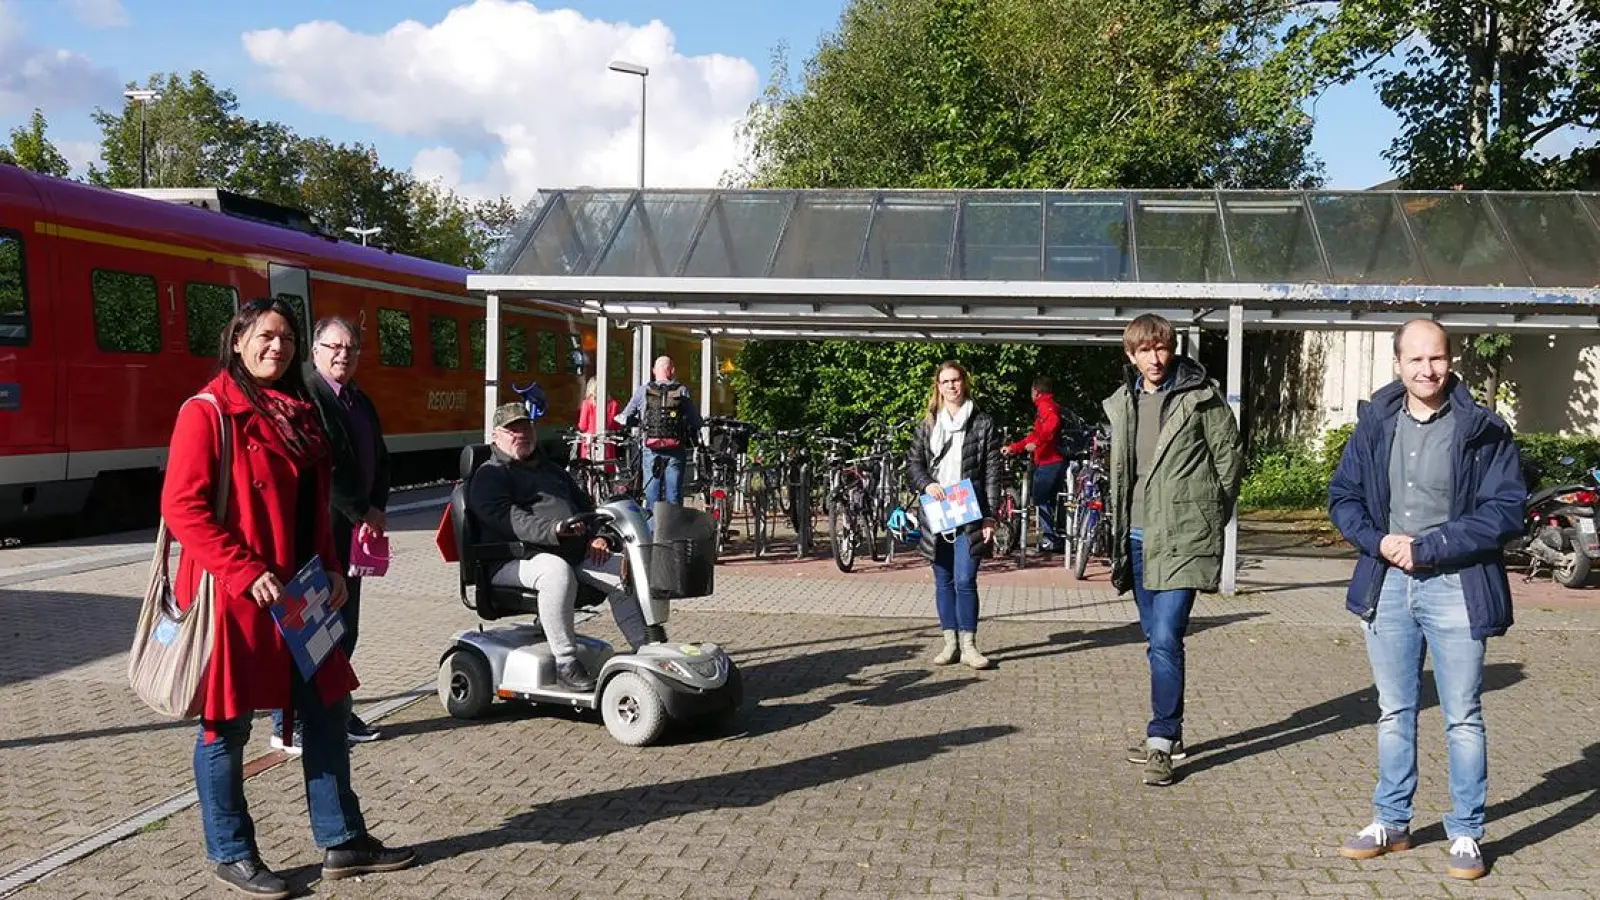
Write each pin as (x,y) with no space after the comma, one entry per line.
(1429,490)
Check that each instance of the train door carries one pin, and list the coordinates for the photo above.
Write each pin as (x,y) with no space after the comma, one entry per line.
(27,366)
(293,284)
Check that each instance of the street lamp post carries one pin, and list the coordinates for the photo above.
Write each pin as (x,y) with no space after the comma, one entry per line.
(362,233)
(144,98)
(630,68)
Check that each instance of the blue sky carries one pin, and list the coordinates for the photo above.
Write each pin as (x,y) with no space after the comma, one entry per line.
(427,97)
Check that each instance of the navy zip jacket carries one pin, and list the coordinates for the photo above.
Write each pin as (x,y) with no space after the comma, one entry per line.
(1485,511)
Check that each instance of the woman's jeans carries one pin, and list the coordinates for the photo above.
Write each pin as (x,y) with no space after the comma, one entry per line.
(955,583)
(1164,618)
(219,778)
(1418,615)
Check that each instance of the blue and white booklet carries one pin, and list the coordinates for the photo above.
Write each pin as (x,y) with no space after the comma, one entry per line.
(310,627)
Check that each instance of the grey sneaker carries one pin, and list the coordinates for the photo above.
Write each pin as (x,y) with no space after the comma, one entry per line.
(1140,753)
(1376,840)
(1466,859)
(1158,769)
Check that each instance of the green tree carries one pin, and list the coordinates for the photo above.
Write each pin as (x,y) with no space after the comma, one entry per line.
(1478,86)
(1037,94)
(31,149)
(1027,94)
(194,137)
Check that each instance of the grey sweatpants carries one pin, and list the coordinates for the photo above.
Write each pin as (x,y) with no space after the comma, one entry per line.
(556,580)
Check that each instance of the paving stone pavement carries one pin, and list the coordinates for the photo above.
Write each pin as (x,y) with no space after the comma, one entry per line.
(856,770)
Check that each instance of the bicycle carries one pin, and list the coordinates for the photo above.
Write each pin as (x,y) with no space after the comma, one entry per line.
(1091,526)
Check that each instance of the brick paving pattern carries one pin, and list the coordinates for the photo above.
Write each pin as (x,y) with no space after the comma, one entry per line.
(856,770)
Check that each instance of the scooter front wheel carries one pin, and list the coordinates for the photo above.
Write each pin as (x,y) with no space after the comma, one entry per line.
(632,710)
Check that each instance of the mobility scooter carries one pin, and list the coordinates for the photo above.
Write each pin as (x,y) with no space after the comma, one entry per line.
(670,555)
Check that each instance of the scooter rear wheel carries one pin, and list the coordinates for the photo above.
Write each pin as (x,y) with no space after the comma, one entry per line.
(464,688)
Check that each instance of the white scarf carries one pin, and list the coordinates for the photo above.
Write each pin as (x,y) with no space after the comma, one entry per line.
(949,430)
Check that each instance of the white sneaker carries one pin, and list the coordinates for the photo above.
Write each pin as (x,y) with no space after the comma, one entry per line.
(277,743)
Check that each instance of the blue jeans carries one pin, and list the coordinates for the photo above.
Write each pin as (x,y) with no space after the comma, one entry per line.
(1164,619)
(955,584)
(671,472)
(1046,484)
(219,779)
(1420,614)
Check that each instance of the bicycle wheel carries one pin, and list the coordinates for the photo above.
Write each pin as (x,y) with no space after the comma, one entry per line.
(722,509)
(1084,543)
(877,533)
(758,522)
(842,535)
(1005,531)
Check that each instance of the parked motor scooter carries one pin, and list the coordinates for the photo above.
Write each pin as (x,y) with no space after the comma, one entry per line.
(1559,530)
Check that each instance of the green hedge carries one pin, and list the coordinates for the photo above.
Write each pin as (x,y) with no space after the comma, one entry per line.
(1297,478)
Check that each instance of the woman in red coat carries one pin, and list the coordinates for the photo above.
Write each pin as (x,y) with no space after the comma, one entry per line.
(589,419)
(276,520)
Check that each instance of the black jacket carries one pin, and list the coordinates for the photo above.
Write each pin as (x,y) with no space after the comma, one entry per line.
(980,462)
(525,501)
(348,500)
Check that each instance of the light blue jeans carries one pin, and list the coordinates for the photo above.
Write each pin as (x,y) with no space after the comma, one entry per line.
(1427,614)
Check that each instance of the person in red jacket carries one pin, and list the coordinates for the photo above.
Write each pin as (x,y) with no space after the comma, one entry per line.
(589,420)
(276,519)
(1047,459)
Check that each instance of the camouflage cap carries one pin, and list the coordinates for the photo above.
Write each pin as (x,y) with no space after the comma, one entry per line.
(509,413)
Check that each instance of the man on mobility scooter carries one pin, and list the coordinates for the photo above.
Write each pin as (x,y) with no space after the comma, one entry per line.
(530,541)
(518,496)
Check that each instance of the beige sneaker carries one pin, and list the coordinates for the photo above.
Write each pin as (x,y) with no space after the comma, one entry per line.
(951,650)
(970,654)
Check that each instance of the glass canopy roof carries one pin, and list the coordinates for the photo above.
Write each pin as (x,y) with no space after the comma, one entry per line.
(1457,238)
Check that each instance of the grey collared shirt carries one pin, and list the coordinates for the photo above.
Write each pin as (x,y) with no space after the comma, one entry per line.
(1420,472)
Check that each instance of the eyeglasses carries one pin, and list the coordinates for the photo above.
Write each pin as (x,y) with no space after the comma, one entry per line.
(341,348)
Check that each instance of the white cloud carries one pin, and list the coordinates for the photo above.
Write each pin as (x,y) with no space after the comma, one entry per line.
(79,154)
(99,13)
(48,78)
(525,88)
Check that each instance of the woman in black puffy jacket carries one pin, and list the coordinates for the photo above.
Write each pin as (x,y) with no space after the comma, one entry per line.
(956,441)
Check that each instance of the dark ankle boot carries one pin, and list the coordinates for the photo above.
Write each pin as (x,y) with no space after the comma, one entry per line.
(364,855)
(251,876)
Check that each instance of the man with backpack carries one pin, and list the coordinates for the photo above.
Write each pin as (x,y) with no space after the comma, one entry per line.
(670,420)
(1048,463)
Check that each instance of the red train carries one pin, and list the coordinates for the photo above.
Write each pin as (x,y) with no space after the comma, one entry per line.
(111,307)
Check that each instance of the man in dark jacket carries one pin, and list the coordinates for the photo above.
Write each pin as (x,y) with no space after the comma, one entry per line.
(1048,462)
(1175,469)
(1429,489)
(671,424)
(360,466)
(518,496)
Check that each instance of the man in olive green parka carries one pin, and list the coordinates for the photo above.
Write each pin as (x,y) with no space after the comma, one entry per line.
(1175,468)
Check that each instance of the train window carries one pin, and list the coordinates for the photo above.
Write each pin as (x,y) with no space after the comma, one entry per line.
(127,312)
(446,340)
(208,307)
(394,337)
(13,291)
(516,348)
(476,329)
(548,353)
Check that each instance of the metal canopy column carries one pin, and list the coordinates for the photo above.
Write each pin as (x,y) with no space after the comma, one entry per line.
(491,366)
(707,369)
(647,352)
(638,354)
(1230,539)
(602,390)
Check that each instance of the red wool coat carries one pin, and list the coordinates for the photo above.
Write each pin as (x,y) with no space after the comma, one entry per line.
(250,664)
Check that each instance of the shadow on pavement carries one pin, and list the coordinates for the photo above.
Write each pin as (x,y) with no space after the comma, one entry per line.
(1341,713)
(1580,778)
(797,675)
(577,819)
(1114,636)
(31,623)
